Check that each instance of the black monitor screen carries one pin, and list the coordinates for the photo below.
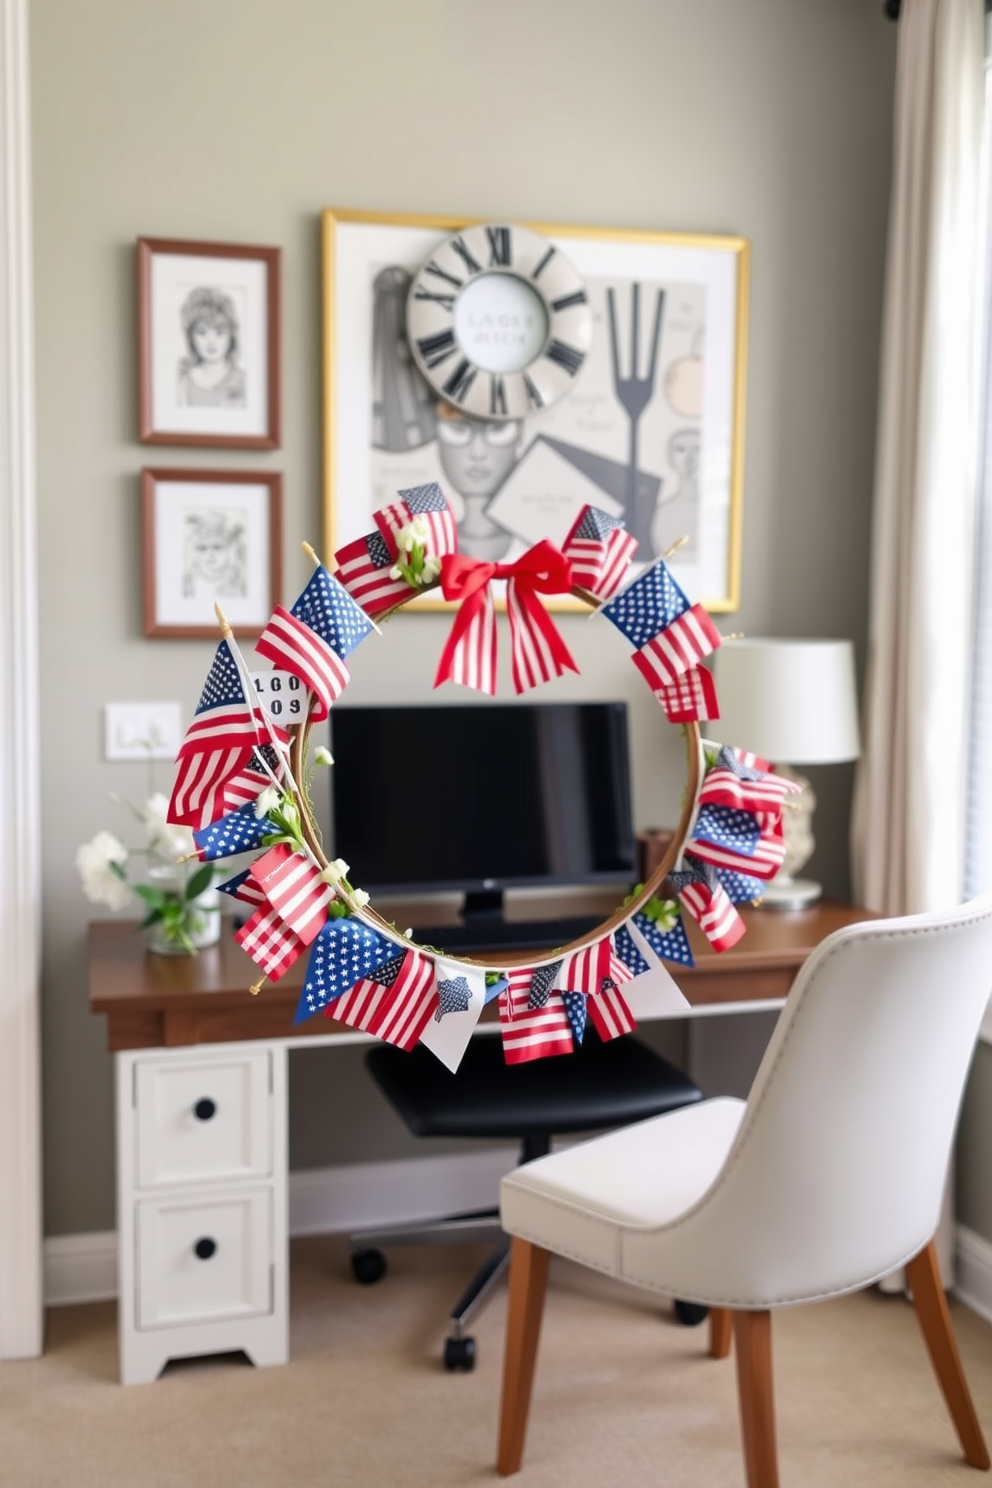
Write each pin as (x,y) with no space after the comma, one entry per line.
(482,797)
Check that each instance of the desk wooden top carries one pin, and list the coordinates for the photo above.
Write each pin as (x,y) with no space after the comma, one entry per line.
(153,1001)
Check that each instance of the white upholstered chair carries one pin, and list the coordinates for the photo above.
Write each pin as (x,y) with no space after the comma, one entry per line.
(826,1179)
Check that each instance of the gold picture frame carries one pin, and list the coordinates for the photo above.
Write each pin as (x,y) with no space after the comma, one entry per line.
(684,452)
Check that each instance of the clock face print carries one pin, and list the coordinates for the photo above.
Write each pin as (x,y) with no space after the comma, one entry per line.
(499,322)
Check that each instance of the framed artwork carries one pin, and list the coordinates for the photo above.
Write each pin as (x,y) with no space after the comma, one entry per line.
(531,369)
(209,536)
(208,344)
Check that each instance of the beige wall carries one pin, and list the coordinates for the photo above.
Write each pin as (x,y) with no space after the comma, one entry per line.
(239,120)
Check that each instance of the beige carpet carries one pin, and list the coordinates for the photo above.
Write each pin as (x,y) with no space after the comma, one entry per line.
(624,1395)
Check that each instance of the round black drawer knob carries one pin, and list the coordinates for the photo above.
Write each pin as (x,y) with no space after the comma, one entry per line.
(205,1108)
(205,1248)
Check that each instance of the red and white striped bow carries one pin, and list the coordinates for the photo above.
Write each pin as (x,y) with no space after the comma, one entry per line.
(538,651)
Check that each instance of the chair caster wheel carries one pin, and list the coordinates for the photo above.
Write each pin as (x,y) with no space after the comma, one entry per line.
(368,1266)
(690,1314)
(459,1353)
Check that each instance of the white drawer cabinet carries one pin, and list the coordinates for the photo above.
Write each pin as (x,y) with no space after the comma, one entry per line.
(202,1204)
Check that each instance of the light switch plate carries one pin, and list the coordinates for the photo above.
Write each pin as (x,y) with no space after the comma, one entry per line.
(141,731)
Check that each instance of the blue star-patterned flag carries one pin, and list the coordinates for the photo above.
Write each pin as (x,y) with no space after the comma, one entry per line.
(742,888)
(541,984)
(575,1007)
(329,610)
(239,831)
(670,945)
(222,688)
(596,524)
(423,499)
(647,605)
(243,887)
(454,996)
(726,827)
(695,871)
(345,951)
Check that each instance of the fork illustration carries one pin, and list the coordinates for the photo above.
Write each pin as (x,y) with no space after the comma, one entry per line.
(634,393)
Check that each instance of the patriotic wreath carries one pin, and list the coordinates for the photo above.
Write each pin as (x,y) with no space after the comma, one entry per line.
(242,786)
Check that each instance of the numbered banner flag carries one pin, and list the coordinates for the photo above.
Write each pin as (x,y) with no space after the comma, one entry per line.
(394,1002)
(708,902)
(269,942)
(731,782)
(739,840)
(345,951)
(420,501)
(240,831)
(461,996)
(669,942)
(243,888)
(600,550)
(248,783)
(651,603)
(292,885)
(532,1032)
(691,698)
(365,570)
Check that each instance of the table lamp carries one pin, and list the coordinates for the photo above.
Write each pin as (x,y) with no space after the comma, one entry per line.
(793,702)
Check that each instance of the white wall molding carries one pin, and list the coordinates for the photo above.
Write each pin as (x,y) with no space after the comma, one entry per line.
(20,865)
(323,1201)
(973,1271)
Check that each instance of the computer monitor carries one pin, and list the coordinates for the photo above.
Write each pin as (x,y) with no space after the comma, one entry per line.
(479,798)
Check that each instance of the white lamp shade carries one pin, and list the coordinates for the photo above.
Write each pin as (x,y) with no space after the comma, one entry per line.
(792,701)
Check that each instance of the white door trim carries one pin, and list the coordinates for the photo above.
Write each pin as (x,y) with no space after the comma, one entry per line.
(20,857)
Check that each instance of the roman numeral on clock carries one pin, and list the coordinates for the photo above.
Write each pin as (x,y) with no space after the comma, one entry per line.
(536,273)
(460,380)
(565,356)
(439,273)
(437,348)
(497,395)
(463,253)
(499,246)
(533,392)
(567,301)
(446,301)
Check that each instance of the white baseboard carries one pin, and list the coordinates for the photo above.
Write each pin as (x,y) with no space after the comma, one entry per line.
(973,1280)
(323,1201)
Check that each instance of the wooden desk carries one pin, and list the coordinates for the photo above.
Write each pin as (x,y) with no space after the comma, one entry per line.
(202,1151)
(175,1001)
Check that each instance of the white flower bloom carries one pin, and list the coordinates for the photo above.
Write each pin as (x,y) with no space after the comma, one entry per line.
(395,572)
(267,801)
(360,897)
(101,884)
(405,538)
(166,838)
(432,567)
(322,756)
(335,872)
(421,530)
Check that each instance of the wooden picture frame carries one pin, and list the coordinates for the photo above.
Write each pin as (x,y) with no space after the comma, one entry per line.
(208,344)
(575,451)
(209,536)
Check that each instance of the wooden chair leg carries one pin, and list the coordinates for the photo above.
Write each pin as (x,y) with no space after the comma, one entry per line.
(721,1331)
(753,1345)
(525,1306)
(923,1276)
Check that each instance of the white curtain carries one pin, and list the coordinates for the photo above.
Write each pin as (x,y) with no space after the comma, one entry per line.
(908,821)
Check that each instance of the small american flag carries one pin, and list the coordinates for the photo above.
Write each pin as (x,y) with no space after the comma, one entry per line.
(600,550)
(609,1011)
(666,656)
(240,831)
(364,570)
(690,697)
(730,782)
(199,795)
(269,942)
(223,718)
(395,1003)
(345,951)
(740,840)
(532,1033)
(243,888)
(292,646)
(651,603)
(292,885)
(707,901)
(249,782)
(420,501)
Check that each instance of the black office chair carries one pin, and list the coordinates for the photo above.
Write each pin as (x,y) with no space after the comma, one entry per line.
(601,1085)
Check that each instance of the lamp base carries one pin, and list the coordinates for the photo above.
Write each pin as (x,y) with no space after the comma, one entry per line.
(790,893)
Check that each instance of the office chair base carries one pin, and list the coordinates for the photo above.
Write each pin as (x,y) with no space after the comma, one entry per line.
(459,1355)
(368,1266)
(690,1314)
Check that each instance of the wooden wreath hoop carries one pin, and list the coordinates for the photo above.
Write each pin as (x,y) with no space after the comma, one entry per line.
(623,912)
